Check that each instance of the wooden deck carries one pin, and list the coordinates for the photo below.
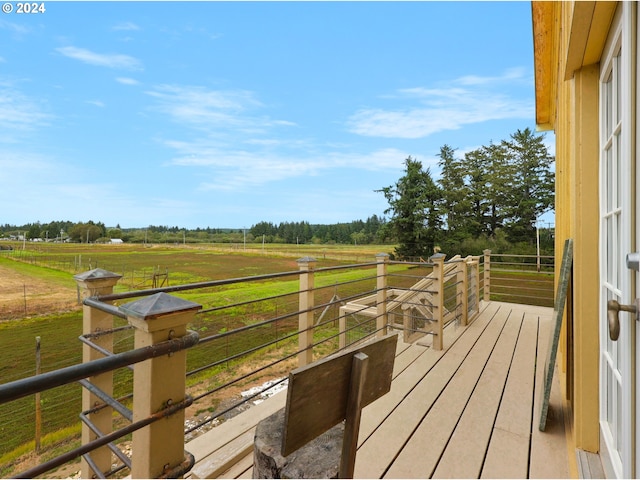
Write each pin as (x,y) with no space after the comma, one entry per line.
(469,411)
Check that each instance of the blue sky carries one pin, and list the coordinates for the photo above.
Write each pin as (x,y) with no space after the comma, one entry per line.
(225,114)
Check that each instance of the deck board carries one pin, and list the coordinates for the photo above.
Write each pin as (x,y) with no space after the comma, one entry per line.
(471,436)
(468,411)
(516,406)
(545,446)
(506,459)
(404,380)
(419,457)
(377,453)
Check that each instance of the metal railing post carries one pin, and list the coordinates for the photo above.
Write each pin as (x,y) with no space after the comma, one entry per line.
(487,275)
(305,317)
(438,301)
(381,293)
(92,283)
(159,382)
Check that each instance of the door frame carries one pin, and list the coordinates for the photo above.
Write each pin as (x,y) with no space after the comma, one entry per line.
(622,35)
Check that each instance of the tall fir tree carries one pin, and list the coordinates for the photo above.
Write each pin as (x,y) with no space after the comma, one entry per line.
(414,207)
(533,183)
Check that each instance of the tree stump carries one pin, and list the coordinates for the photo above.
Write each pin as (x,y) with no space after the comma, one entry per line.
(320,458)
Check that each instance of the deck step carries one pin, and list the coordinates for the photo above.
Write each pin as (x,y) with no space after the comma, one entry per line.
(225,458)
(221,447)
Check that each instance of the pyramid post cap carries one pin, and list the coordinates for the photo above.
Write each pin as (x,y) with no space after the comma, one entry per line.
(306,260)
(97,274)
(158,305)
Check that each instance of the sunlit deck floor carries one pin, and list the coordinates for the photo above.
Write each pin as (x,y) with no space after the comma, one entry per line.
(470,411)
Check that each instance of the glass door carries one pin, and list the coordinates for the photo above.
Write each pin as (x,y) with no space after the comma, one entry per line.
(616,381)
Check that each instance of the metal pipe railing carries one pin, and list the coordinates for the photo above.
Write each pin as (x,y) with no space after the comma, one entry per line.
(104,440)
(45,381)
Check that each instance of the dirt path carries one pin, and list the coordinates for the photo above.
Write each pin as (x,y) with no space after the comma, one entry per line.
(24,295)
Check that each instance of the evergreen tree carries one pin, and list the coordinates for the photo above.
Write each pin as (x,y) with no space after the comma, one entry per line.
(455,198)
(533,183)
(413,205)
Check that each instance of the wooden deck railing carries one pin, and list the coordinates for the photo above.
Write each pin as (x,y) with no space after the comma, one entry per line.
(419,299)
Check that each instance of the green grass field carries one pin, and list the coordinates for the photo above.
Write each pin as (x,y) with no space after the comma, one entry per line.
(55,264)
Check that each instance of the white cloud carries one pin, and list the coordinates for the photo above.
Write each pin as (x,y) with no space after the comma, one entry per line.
(15,28)
(517,74)
(228,141)
(18,112)
(236,169)
(217,112)
(127,81)
(111,60)
(97,103)
(128,26)
(433,110)
(198,104)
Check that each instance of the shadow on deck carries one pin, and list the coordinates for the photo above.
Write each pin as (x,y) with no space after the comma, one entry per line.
(469,411)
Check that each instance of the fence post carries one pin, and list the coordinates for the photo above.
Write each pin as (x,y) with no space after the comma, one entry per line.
(158,382)
(476,273)
(342,328)
(305,308)
(487,275)
(381,294)
(438,300)
(92,283)
(463,288)
(38,404)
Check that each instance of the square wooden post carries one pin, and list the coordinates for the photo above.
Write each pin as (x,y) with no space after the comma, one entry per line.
(342,328)
(305,317)
(92,283)
(463,286)
(487,275)
(159,382)
(438,300)
(381,294)
(476,273)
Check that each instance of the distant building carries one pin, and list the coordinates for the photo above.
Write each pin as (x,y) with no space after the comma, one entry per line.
(116,240)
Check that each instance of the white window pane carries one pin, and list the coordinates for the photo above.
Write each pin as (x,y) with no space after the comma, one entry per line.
(616,169)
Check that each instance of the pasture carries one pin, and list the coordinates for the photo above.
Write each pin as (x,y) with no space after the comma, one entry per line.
(38,298)
(38,279)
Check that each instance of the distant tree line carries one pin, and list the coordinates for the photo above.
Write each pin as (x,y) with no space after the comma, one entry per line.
(357,232)
(370,231)
(61,231)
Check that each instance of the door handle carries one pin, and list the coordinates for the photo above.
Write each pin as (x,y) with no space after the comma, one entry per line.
(613,318)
